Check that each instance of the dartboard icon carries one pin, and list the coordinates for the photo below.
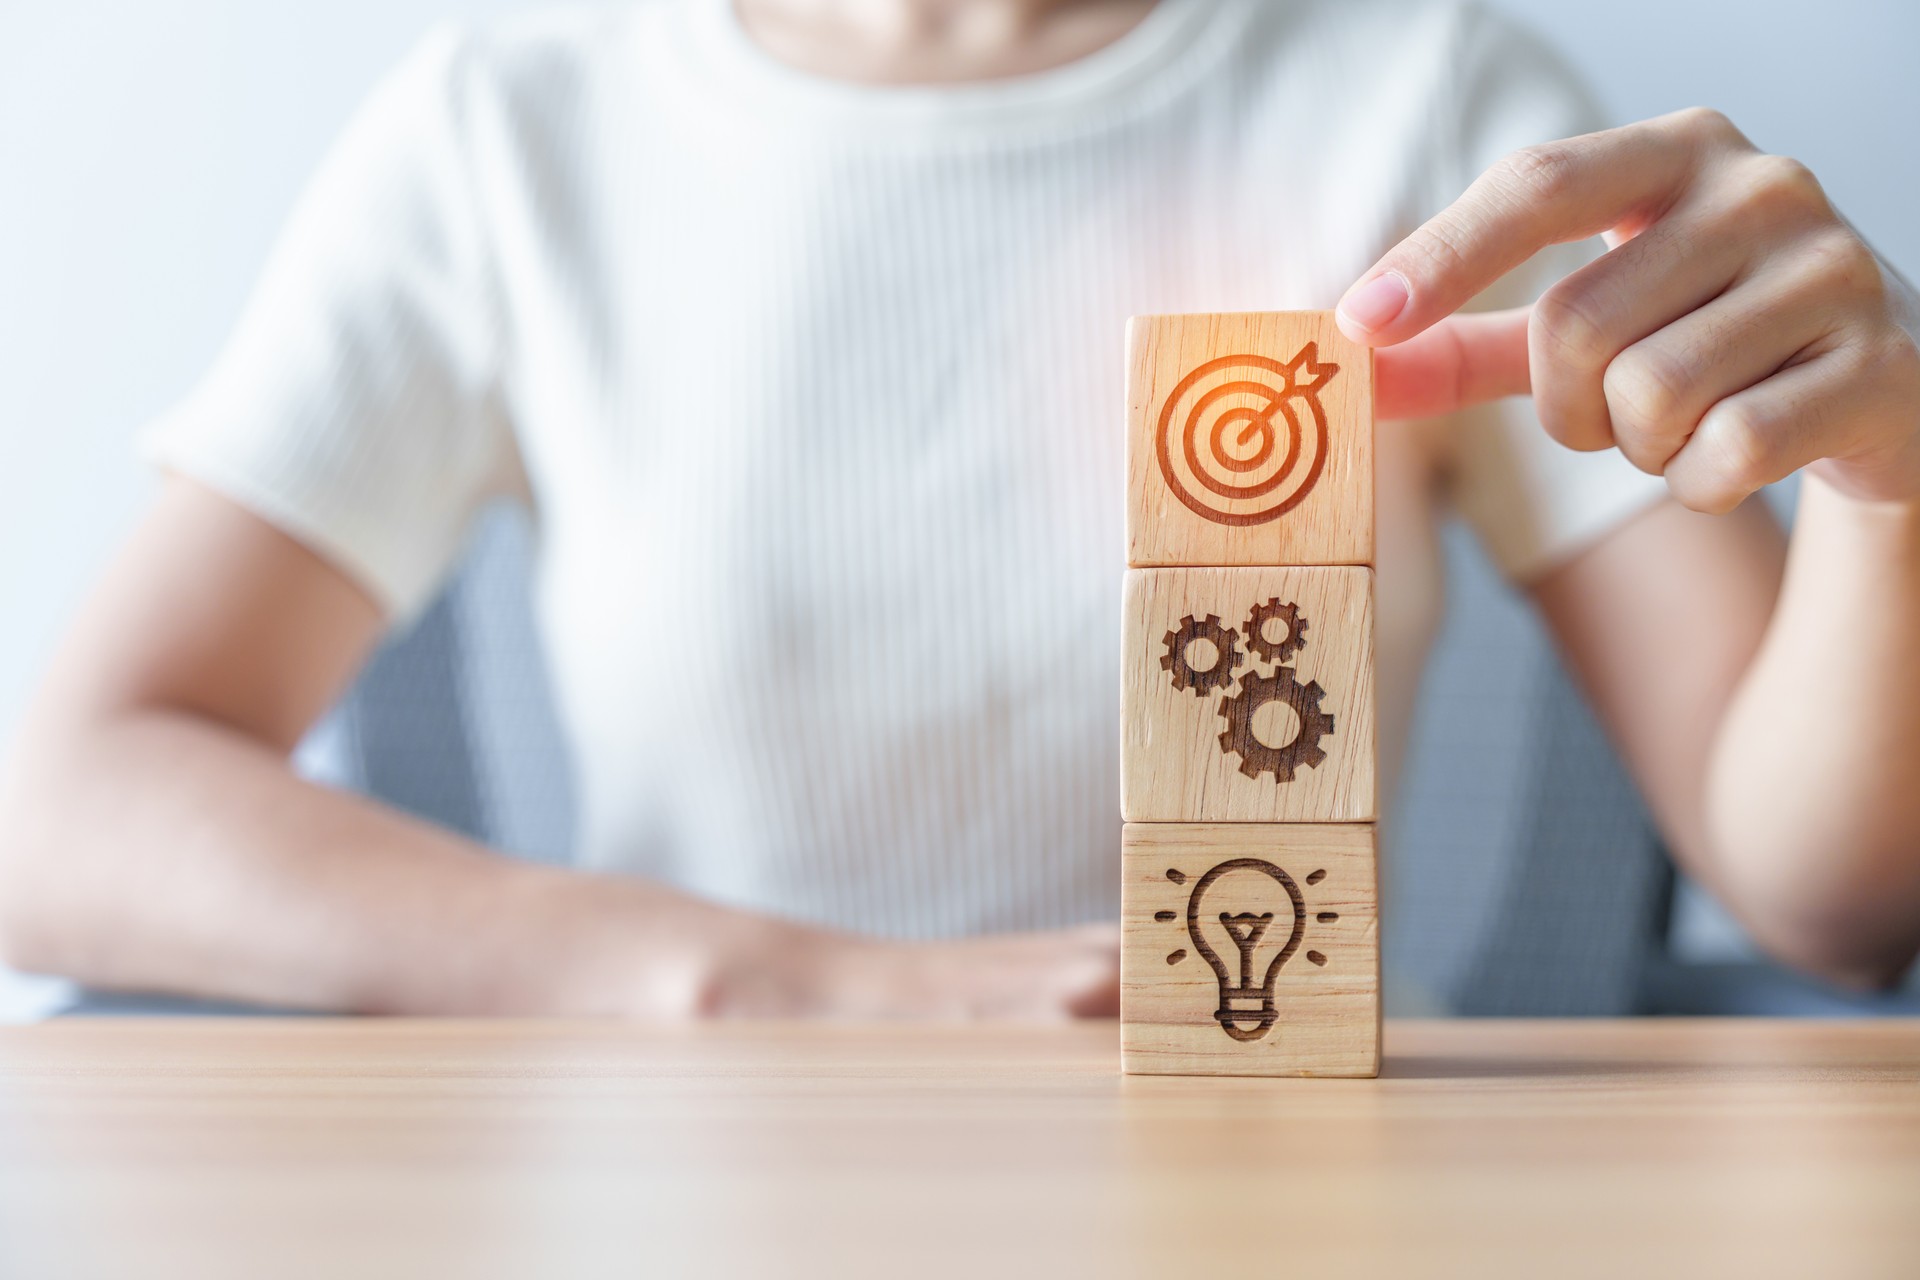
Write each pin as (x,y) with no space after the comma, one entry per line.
(1242,439)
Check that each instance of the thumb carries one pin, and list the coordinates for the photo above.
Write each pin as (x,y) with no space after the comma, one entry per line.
(1460,362)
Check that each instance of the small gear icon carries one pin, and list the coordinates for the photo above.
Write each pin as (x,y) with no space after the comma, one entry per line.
(1273,611)
(1256,757)
(1226,644)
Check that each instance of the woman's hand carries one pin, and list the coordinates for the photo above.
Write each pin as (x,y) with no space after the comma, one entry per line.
(804,973)
(1737,330)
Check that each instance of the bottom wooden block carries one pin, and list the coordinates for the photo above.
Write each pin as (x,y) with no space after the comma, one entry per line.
(1250,950)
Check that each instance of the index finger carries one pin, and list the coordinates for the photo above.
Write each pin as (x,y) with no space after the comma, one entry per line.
(1549,194)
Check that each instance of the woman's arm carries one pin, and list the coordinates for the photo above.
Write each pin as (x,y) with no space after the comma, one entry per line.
(1773,724)
(153,837)
(1738,330)
(1814,776)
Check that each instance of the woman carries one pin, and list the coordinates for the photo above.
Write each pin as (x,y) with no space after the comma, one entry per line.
(797,325)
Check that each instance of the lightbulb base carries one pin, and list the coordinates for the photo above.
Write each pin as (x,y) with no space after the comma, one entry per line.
(1250,1006)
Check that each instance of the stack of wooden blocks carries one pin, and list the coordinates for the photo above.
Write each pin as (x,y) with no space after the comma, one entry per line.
(1250,900)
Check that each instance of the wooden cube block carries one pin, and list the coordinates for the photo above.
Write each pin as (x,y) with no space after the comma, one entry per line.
(1250,950)
(1247,696)
(1249,441)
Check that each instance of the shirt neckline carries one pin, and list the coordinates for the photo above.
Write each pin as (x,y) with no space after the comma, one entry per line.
(1086,89)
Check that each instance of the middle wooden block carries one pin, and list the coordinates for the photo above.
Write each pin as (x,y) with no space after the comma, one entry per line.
(1248,696)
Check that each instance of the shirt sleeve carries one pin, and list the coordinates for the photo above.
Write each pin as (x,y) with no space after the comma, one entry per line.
(1533,502)
(356,407)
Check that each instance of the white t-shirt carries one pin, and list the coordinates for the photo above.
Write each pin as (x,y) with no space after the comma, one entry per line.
(815,391)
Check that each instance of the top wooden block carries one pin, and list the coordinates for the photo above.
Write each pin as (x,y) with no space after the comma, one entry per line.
(1249,441)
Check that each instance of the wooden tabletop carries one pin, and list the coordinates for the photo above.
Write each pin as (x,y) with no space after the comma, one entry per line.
(268,1148)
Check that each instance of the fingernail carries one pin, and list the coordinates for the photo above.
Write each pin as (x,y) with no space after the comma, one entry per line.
(1374,305)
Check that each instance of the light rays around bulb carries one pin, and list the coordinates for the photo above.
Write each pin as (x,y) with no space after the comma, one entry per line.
(1317,959)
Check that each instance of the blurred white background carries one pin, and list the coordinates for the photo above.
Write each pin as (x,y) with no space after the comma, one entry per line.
(148,152)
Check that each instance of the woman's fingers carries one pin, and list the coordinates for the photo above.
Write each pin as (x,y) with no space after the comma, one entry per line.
(1736,329)
(1730,397)
(1584,322)
(1460,362)
(1082,974)
(1771,429)
(1047,976)
(1656,392)
(1619,179)
(1097,995)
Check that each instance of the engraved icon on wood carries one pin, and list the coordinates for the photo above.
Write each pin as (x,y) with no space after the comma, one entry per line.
(1242,439)
(1248,696)
(1250,949)
(1249,441)
(1257,943)
(1311,723)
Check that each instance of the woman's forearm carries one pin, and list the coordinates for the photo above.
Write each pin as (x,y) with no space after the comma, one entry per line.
(153,838)
(1813,790)
(161,852)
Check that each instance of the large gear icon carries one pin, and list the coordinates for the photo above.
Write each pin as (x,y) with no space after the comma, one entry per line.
(1256,757)
(1279,651)
(1225,641)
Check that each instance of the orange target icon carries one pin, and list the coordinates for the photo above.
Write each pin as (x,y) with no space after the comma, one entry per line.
(1242,439)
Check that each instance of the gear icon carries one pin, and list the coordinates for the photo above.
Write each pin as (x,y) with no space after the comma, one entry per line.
(1226,644)
(1273,611)
(1256,757)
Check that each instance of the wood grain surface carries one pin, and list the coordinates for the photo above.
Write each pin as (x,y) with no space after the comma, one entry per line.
(1319,1015)
(1249,441)
(296,1149)
(1174,766)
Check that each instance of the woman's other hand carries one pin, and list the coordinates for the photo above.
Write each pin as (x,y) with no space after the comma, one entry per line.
(1026,977)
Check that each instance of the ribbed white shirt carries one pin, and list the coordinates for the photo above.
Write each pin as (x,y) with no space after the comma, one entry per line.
(815,391)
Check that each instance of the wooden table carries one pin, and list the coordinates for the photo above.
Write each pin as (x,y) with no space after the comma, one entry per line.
(266,1148)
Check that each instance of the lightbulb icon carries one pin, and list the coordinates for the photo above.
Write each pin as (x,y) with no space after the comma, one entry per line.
(1246,917)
